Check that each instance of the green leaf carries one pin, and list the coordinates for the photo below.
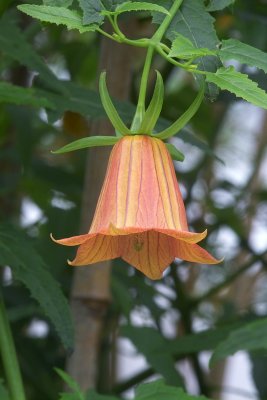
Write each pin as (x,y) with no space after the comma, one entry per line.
(216,5)
(155,348)
(72,384)
(245,54)
(184,48)
(3,392)
(29,268)
(239,84)
(195,23)
(154,109)
(184,119)
(58,3)
(92,11)
(91,141)
(158,390)
(142,6)
(14,44)
(251,336)
(176,154)
(57,15)
(23,96)
(109,107)
(93,395)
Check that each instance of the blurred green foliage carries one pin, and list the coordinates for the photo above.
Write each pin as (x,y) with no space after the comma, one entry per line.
(217,308)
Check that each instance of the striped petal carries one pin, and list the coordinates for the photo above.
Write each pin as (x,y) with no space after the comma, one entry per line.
(97,248)
(150,252)
(193,253)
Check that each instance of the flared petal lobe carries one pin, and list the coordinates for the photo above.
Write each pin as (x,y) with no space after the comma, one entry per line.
(140,214)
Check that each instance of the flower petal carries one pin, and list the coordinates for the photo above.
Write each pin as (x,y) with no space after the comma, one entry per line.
(189,237)
(73,240)
(150,252)
(97,248)
(193,253)
(186,236)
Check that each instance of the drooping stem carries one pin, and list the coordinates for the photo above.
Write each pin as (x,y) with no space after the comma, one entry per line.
(153,43)
(9,357)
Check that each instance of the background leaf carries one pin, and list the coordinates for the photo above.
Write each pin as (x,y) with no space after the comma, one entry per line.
(28,267)
(157,390)
(233,49)
(150,343)
(195,23)
(14,44)
(57,15)
(251,336)
(92,11)
(216,5)
(239,84)
(25,96)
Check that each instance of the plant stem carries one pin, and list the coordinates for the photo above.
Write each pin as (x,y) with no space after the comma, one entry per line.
(9,357)
(153,43)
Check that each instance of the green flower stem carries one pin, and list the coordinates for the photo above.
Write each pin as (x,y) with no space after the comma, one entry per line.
(9,357)
(153,43)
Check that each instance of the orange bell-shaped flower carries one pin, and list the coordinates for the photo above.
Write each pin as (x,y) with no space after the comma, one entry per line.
(140,215)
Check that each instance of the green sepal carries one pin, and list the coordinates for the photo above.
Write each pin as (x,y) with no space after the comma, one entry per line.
(154,109)
(184,119)
(91,141)
(176,154)
(111,111)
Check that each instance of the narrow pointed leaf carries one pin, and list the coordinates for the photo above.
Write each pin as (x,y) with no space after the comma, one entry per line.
(154,109)
(29,268)
(72,384)
(184,119)
(109,107)
(140,6)
(245,54)
(239,84)
(91,141)
(57,15)
(176,154)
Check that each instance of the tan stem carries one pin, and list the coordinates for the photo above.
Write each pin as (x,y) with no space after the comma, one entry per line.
(91,285)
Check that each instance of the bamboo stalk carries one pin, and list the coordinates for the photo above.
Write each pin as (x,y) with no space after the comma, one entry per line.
(91,285)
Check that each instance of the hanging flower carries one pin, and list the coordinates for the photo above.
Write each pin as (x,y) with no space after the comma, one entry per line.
(140,215)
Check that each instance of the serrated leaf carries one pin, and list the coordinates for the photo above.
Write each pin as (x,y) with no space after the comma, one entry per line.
(158,390)
(216,5)
(183,48)
(176,154)
(195,23)
(29,268)
(251,336)
(58,3)
(22,96)
(91,141)
(154,347)
(140,6)
(92,11)
(14,44)
(239,84)
(233,49)
(184,119)
(109,107)
(57,15)
(154,109)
